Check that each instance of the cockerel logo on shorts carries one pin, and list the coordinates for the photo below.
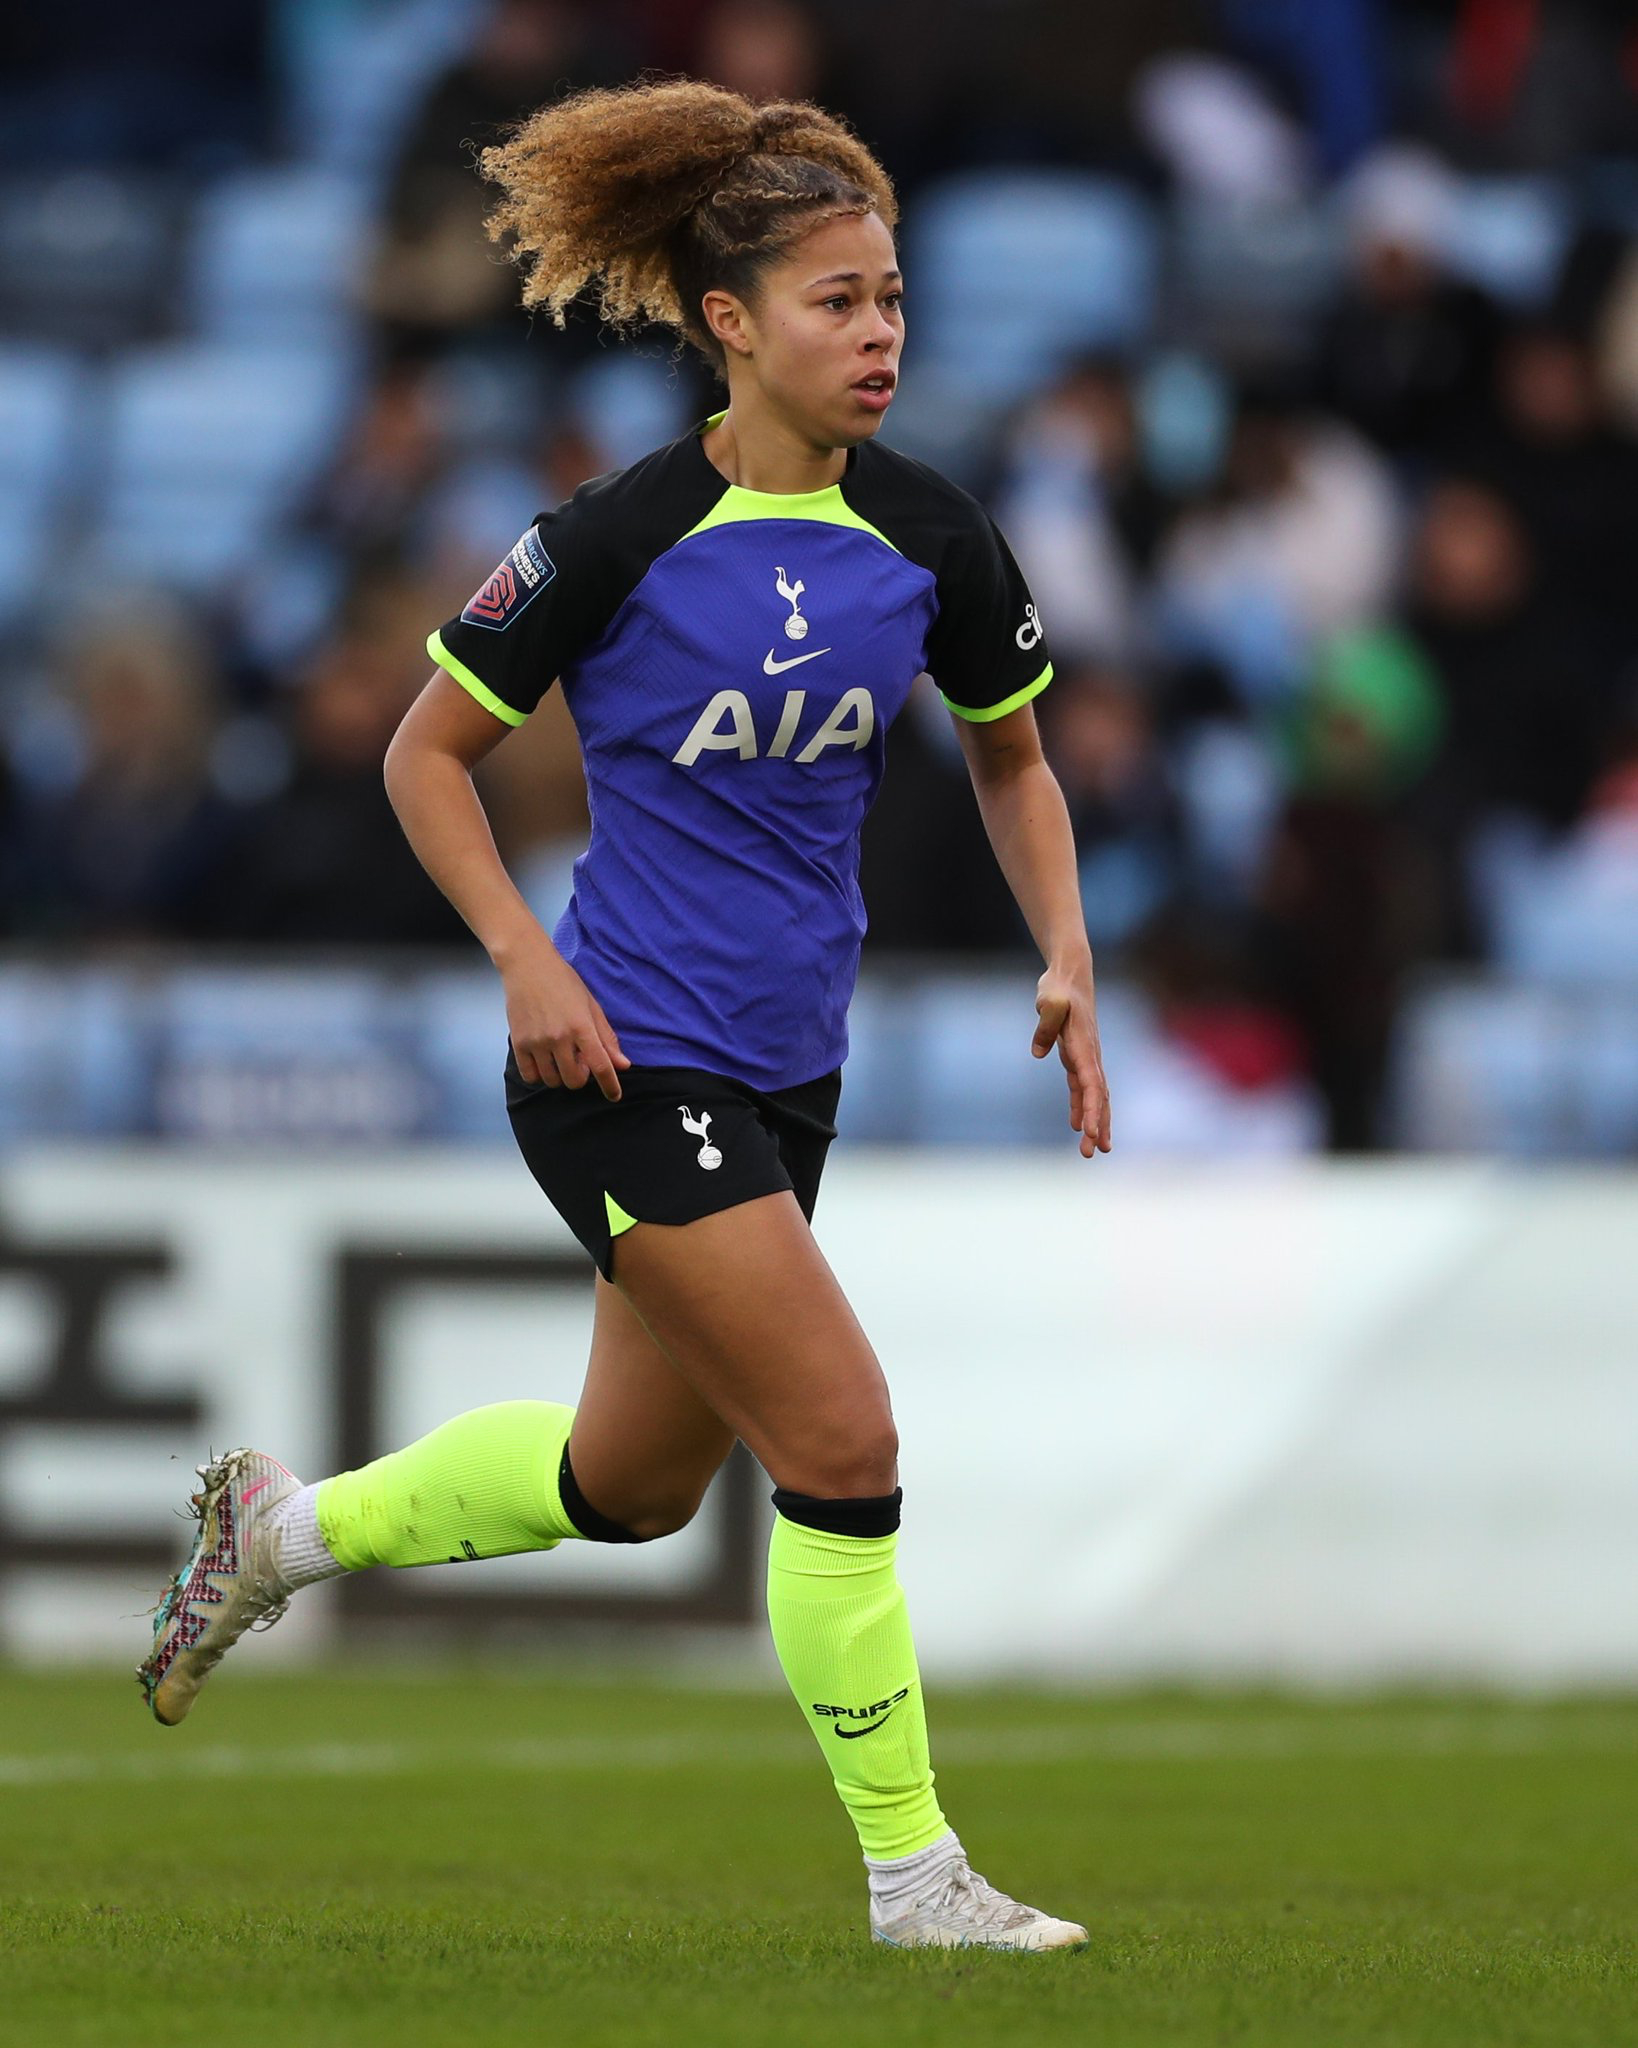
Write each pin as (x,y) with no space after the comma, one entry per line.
(700,1127)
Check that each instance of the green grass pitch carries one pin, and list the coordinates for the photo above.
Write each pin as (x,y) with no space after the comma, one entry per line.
(370,1858)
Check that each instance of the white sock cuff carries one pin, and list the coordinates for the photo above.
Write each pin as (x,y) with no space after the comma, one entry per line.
(895,1878)
(304,1556)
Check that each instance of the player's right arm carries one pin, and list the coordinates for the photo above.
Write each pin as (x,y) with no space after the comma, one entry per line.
(559,1032)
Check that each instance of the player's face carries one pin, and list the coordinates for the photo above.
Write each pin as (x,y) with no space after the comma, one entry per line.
(830,318)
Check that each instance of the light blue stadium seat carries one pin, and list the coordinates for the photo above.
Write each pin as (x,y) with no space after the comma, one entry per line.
(1251,279)
(1486,1067)
(275,257)
(629,404)
(85,256)
(41,393)
(1602,1079)
(25,549)
(284,1054)
(973,1077)
(1510,236)
(1570,917)
(72,1053)
(945,420)
(207,443)
(354,71)
(42,411)
(1009,274)
(460,1044)
(878,1078)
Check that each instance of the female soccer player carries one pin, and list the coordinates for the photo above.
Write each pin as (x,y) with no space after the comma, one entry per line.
(735,619)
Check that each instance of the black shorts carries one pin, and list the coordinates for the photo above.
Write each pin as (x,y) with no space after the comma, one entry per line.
(680,1143)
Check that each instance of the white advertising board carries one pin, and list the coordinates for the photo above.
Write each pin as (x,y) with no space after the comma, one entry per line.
(1312,1423)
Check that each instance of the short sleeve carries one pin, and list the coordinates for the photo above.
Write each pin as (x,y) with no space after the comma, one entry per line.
(544,604)
(986,650)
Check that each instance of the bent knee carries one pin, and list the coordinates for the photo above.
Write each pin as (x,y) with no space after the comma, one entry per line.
(660,1508)
(860,1462)
(663,1518)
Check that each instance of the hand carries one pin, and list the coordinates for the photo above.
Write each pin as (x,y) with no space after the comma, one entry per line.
(1069,1019)
(560,1036)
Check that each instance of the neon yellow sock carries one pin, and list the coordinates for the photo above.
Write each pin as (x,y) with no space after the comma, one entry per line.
(842,1632)
(484,1485)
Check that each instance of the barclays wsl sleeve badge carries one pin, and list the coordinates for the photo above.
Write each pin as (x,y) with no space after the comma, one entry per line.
(517,582)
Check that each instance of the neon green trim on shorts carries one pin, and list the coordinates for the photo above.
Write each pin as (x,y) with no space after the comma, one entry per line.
(1007,704)
(454,666)
(619,1221)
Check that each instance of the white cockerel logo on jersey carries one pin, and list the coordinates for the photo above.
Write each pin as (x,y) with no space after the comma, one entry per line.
(796,627)
(700,1127)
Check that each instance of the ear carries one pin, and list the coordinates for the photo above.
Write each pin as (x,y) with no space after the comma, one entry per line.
(729,321)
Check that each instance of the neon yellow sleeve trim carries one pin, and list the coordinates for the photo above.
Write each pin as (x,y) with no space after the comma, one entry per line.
(619,1221)
(470,683)
(1007,703)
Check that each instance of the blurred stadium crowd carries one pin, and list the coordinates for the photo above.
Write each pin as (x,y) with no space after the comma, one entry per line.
(1295,347)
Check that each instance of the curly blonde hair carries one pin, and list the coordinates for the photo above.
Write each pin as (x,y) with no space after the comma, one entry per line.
(658,192)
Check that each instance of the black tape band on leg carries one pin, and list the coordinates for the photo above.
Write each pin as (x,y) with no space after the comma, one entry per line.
(875,1515)
(594,1527)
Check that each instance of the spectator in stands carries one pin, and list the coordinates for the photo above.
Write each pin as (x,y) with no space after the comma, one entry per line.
(1099,734)
(372,500)
(1526,86)
(1082,514)
(1351,892)
(1521,720)
(324,861)
(1405,352)
(1230,782)
(1299,540)
(927,871)
(1327,54)
(436,277)
(1572,477)
(486,498)
(766,49)
(132,847)
(1225,1072)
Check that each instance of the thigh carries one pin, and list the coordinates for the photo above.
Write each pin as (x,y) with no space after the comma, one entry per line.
(645,1444)
(745,1305)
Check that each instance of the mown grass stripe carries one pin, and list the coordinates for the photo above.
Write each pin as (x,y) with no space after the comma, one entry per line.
(1194,1741)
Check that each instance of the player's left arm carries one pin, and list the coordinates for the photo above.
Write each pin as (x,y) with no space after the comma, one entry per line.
(1028,825)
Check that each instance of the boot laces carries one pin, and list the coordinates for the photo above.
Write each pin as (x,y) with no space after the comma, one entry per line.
(979,1903)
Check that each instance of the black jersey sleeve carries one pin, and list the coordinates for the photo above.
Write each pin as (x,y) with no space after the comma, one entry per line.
(551,597)
(986,651)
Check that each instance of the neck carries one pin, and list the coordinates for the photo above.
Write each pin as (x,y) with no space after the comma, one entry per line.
(759,451)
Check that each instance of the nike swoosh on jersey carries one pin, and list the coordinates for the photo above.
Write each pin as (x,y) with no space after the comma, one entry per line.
(770,667)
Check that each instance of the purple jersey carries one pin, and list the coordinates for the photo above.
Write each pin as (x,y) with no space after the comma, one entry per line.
(732,660)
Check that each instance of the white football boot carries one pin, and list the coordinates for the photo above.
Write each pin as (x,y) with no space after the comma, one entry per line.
(230,1582)
(960,1909)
